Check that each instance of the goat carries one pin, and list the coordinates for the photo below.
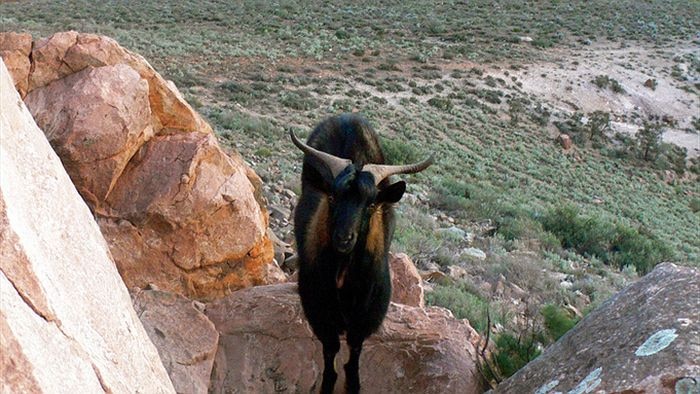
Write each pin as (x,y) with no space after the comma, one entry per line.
(343,224)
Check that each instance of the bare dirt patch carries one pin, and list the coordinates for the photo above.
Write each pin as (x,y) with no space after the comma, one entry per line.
(566,82)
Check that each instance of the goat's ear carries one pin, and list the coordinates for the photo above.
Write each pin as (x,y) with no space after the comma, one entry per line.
(392,193)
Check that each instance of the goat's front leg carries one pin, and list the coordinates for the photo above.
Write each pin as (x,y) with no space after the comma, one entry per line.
(331,346)
(352,368)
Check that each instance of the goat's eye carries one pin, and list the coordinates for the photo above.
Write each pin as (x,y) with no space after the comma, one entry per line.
(331,199)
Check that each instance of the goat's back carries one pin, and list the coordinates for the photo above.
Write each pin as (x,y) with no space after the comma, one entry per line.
(348,136)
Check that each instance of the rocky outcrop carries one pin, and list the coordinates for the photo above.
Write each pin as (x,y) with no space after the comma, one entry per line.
(176,211)
(186,340)
(406,282)
(14,50)
(266,346)
(96,119)
(642,340)
(66,320)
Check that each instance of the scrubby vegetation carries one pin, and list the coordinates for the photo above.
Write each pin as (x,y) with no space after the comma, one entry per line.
(561,228)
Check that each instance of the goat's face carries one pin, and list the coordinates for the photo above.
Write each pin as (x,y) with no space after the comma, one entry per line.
(354,197)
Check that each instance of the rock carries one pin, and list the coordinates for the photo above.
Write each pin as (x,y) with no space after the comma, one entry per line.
(280,213)
(650,83)
(192,223)
(267,346)
(565,141)
(435,277)
(427,265)
(291,263)
(642,340)
(185,338)
(453,231)
(456,272)
(66,319)
(95,119)
(14,50)
(65,53)
(525,39)
(475,253)
(281,248)
(176,210)
(275,274)
(47,59)
(405,281)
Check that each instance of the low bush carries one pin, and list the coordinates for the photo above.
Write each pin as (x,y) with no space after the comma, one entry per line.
(513,353)
(618,245)
(557,321)
(463,303)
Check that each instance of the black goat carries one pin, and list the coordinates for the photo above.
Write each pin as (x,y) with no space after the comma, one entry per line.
(344,223)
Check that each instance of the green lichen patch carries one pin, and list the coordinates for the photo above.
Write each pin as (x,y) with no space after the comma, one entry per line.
(657,342)
(589,383)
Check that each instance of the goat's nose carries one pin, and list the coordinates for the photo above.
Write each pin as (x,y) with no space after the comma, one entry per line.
(345,242)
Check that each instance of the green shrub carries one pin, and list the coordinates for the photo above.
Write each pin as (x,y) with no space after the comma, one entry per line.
(615,244)
(240,122)
(598,125)
(442,103)
(399,152)
(695,205)
(463,304)
(586,235)
(649,140)
(603,81)
(637,248)
(513,353)
(557,321)
(300,101)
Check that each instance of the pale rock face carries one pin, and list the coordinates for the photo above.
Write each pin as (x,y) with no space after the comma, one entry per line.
(66,320)
(176,211)
(406,282)
(186,340)
(642,340)
(266,346)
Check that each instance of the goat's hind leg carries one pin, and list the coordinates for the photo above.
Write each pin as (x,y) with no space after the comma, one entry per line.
(352,368)
(331,346)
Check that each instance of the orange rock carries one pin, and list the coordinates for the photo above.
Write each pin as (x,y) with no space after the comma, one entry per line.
(266,345)
(47,59)
(95,119)
(14,50)
(406,282)
(565,141)
(175,209)
(186,340)
(68,52)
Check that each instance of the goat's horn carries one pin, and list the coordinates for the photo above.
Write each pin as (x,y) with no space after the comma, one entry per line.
(335,164)
(381,171)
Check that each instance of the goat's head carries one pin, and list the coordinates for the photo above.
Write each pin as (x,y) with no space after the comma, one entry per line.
(356,192)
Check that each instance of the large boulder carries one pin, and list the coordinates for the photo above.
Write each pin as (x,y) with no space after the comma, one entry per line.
(66,320)
(175,209)
(96,119)
(642,340)
(66,53)
(14,50)
(186,340)
(266,346)
(406,282)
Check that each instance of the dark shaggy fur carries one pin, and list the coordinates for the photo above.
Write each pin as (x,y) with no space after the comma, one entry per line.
(344,291)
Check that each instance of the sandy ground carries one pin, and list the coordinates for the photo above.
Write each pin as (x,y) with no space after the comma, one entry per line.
(566,83)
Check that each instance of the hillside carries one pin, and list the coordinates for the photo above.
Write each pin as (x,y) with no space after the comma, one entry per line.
(485,86)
